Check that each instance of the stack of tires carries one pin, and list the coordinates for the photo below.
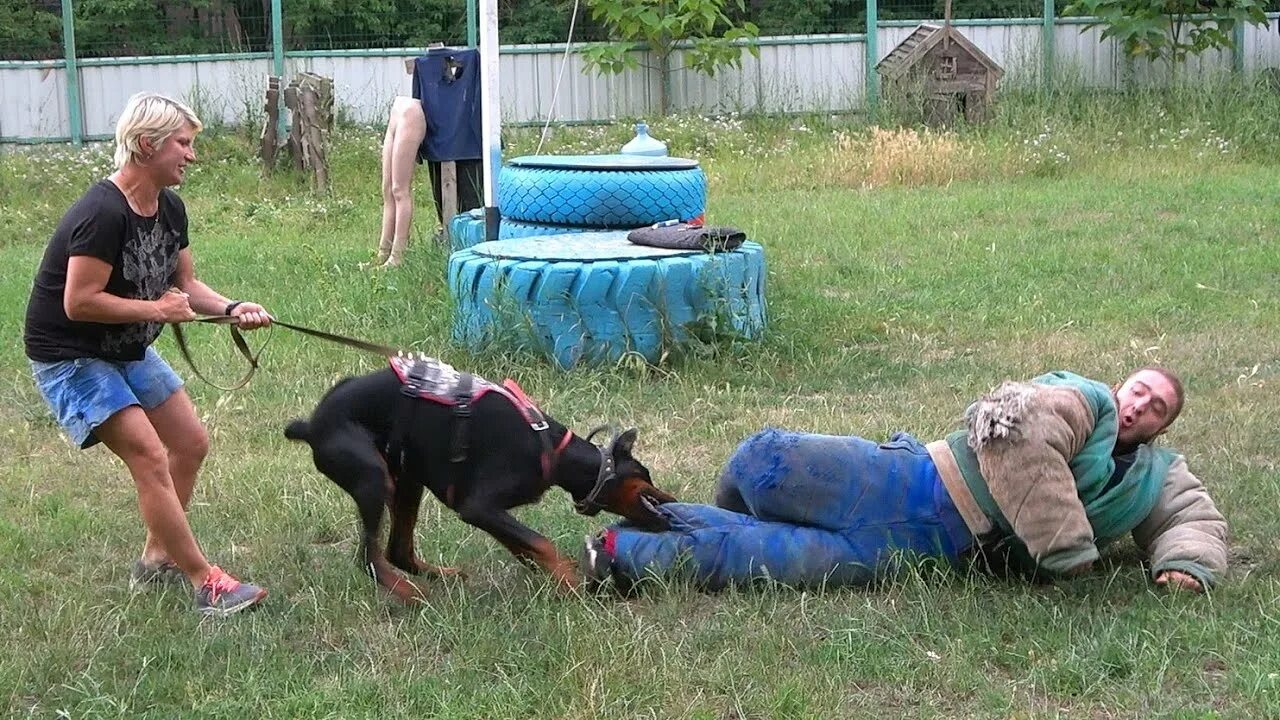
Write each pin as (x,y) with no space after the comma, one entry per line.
(561,194)
(564,278)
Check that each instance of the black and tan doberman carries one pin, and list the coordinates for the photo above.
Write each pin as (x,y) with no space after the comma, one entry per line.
(385,436)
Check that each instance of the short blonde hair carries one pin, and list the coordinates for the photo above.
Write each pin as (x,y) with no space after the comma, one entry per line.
(152,116)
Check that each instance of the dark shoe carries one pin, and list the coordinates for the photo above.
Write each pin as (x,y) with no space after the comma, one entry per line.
(222,595)
(144,574)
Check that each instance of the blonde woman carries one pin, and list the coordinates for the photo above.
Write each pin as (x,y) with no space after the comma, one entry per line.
(117,268)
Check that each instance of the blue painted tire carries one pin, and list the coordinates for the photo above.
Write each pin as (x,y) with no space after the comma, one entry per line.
(512,229)
(466,229)
(593,297)
(629,195)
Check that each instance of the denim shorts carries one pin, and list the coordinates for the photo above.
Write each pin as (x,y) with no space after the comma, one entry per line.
(85,392)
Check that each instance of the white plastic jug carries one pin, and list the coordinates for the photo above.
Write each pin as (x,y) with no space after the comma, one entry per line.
(643,144)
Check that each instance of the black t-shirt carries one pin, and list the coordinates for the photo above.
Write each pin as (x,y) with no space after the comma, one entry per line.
(143,253)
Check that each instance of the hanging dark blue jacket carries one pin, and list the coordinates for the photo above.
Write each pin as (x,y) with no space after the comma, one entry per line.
(447,81)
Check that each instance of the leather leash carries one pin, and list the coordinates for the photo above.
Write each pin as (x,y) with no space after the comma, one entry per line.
(237,338)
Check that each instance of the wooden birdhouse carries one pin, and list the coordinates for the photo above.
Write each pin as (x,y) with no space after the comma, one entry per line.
(941,73)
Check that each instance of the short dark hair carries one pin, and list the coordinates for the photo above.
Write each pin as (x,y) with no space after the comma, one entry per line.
(1180,395)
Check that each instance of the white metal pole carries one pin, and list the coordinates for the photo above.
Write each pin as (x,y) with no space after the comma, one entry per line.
(490,113)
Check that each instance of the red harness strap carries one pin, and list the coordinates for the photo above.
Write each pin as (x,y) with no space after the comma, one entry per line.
(550,459)
(536,420)
(527,408)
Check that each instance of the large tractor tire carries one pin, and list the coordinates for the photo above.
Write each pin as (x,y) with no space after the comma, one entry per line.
(590,298)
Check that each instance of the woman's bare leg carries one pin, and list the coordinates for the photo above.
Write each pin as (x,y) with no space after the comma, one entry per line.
(179,429)
(130,435)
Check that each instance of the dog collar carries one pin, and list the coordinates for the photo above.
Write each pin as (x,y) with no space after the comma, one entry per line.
(605,478)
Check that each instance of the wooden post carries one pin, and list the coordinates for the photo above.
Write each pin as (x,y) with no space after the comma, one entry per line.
(310,98)
(269,142)
(293,141)
(448,197)
(313,143)
(946,26)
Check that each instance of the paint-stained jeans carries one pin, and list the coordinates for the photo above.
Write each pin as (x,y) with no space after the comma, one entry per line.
(805,510)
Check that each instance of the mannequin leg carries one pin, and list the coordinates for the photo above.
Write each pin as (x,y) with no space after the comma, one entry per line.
(407,128)
(410,131)
(388,201)
(403,159)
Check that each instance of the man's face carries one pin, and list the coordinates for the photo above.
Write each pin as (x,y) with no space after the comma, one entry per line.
(1145,402)
(170,160)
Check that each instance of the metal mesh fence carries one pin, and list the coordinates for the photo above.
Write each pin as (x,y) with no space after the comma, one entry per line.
(804,17)
(32,29)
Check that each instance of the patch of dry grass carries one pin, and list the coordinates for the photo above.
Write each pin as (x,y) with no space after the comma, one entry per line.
(903,157)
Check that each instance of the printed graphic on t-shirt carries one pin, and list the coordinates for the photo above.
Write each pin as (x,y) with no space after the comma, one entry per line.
(148,261)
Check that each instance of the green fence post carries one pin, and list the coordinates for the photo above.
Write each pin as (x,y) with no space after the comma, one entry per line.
(473,27)
(1046,46)
(277,61)
(1237,47)
(73,73)
(873,56)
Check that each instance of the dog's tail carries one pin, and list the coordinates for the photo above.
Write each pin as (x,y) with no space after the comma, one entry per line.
(298,430)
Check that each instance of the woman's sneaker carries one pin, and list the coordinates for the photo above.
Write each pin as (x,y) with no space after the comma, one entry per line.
(222,595)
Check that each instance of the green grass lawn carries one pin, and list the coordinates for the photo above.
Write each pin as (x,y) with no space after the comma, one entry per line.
(895,297)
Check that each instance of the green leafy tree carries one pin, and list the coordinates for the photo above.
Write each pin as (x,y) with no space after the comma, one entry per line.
(710,38)
(1169,30)
(533,21)
(313,24)
(789,17)
(118,27)
(28,31)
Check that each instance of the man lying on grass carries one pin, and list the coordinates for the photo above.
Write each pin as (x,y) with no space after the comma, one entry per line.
(1046,472)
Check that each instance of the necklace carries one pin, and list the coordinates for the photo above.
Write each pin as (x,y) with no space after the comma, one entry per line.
(130,194)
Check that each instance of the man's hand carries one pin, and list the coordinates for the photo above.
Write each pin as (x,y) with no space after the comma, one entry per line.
(1178,580)
(251,316)
(174,307)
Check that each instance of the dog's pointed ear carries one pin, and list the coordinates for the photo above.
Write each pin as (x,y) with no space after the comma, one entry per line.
(626,441)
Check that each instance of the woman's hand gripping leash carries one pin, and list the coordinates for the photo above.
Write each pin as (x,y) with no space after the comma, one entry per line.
(176,307)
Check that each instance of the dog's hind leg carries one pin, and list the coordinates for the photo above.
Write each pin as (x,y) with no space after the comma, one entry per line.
(350,459)
(522,541)
(404,505)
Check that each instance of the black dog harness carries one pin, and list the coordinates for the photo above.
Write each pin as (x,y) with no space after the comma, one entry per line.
(426,378)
